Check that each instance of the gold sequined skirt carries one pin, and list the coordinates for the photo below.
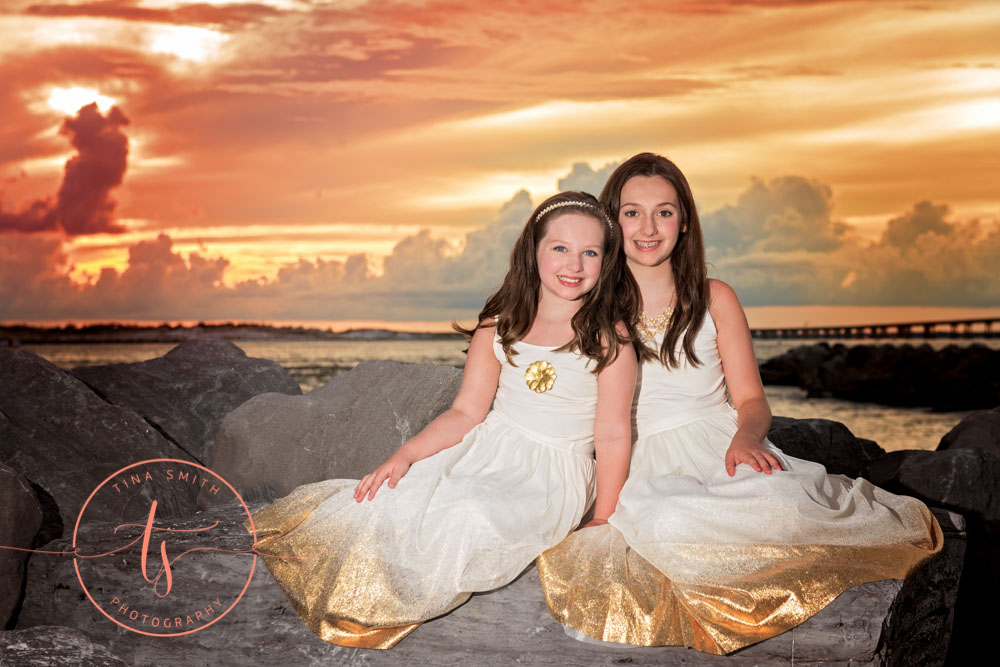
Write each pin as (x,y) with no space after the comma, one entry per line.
(693,557)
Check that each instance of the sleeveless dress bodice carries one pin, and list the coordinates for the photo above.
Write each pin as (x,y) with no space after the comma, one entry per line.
(669,397)
(562,415)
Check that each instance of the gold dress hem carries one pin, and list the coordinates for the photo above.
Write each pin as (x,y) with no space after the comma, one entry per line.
(595,583)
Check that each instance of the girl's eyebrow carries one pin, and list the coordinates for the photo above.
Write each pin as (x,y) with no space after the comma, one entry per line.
(662,203)
(593,245)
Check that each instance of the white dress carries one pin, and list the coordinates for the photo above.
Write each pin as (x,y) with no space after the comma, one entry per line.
(694,557)
(470,518)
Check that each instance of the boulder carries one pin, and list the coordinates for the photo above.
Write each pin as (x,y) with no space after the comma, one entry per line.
(54,646)
(980,430)
(274,443)
(826,442)
(966,481)
(953,378)
(185,393)
(19,522)
(880,623)
(920,623)
(795,367)
(963,480)
(65,439)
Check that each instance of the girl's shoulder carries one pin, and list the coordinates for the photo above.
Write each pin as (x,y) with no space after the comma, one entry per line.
(724,307)
(487,329)
(717,287)
(621,329)
(722,298)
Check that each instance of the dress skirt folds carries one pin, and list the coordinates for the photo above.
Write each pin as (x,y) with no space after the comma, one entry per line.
(470,518)
(694,557)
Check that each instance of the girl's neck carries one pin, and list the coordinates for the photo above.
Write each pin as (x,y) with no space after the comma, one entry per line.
(656,286)
(553,325)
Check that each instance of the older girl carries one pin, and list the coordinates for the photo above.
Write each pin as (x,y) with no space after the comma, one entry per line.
(718,540)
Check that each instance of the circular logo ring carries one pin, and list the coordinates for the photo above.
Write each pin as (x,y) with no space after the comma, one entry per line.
(76,560)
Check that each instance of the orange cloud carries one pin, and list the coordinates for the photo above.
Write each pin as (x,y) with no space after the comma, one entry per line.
(229,15)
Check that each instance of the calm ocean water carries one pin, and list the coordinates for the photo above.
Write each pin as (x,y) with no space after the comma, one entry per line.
(313,363)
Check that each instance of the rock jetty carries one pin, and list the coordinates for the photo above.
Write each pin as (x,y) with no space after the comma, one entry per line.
(951,379)
(62,433)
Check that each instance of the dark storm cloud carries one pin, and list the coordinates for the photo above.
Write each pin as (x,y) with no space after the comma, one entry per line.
(84,204)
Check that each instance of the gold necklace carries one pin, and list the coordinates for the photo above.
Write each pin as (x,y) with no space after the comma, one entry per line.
(648,327)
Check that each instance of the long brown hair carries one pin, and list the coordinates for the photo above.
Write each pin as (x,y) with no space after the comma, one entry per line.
(687,260)
(613,300)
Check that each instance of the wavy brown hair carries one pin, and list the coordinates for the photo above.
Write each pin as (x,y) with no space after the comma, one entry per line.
(614,298)
(687,260)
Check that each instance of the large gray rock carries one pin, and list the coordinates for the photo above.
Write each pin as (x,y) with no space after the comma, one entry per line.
(963,480)
(53,646)
(966,481)
(185,393)
(827,442)
(881,623)
(796,367)
(274,443)
(980,430)
(921,621)
(956,377)
(19,522)
(65,439)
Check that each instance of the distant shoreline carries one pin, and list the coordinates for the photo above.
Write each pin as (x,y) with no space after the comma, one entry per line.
(16,335)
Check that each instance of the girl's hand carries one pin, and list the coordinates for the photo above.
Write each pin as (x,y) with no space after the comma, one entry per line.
(393,469)
(594,522)
(744,449)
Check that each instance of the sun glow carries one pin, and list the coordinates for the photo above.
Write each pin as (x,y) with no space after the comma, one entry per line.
(69,100)
(559,113)
(187,43)
(932,122)
(983,113)
(486,190)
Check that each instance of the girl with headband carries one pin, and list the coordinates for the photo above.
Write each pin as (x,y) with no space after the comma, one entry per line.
(718,540)
(475,497)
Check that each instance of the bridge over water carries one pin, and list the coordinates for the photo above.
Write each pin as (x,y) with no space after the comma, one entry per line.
(974,328)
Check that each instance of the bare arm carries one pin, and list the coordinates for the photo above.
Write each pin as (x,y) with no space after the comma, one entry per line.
(470,407)
(613,431)
(743,381)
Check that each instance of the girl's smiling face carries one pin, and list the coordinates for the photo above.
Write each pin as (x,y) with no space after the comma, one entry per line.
(649,216)
(569,256)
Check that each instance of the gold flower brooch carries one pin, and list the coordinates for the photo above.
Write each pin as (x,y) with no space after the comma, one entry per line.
(540,376)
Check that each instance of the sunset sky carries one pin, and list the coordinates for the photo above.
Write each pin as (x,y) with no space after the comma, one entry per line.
(293,160)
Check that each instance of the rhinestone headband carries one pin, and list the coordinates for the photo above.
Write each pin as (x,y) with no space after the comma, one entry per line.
(582,204)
